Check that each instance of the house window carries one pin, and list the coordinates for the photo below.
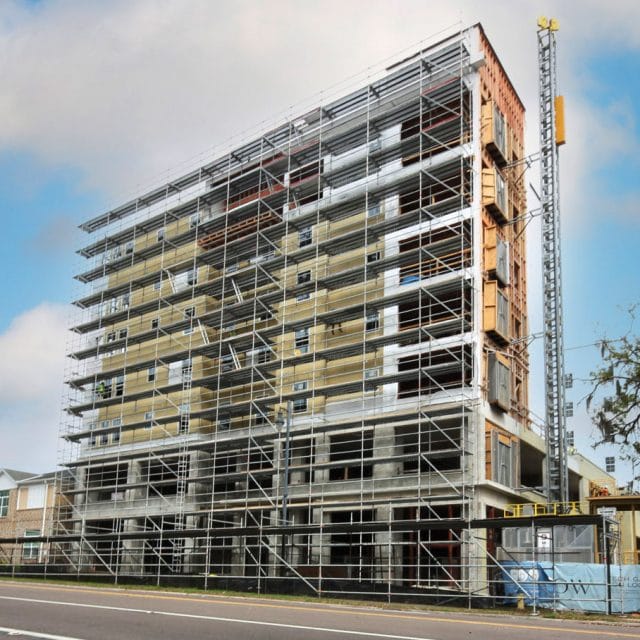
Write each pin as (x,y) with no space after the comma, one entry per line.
(160,234)
(194,220)
(104,439)
(157,285)
(31,550)
(36,497)
(302,278)
(305,237)
(224,424)
(300,386)
(302,340)
(148,416)
(190,312)
(115,437)
(128,248)
(122,334)
(155,323)
(373,257)
(372,321)
(119,387)
(151,374)
(299,405)
(610,464)
(4,503)
(192,276)
(111,336)
(371,373)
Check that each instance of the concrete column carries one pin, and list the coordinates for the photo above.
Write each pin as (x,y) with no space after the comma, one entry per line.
(384,447)
(237,556)
(322,455)
(135,475)
(198,463)
(321,552)
(132,562)
(193,557)
(386,553)
(473,555)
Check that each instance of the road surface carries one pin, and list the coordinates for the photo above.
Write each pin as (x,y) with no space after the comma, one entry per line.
(54,612)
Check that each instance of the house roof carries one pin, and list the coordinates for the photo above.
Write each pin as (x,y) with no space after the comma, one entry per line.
(17,475)
(38,478)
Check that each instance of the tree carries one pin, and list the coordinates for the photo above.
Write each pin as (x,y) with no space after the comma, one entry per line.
(614,401)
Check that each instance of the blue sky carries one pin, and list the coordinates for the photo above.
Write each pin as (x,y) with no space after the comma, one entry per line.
(101,100)
(40,204)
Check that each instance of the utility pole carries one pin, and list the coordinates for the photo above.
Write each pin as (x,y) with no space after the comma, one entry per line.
(551,137)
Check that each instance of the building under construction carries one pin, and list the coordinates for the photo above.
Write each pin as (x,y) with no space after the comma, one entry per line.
(307,358)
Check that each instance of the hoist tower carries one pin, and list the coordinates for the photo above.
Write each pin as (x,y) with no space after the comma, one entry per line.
(551,137)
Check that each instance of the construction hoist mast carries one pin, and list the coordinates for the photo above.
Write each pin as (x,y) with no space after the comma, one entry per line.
(551,137)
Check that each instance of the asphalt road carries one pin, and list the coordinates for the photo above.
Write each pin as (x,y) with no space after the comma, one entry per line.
(63,613)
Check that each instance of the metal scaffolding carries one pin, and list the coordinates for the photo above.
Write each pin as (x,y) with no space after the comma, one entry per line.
(302,361)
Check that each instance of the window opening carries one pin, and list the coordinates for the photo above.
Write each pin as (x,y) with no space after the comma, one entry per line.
(305,237)
(373,257)
(4,503)
(299,405)
(372,321)
(302,340)
(31,550)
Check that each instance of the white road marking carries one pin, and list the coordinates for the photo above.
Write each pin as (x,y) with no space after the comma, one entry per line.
(34,634)
(368,634)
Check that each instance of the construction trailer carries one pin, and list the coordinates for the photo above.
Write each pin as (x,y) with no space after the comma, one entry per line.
(314,337)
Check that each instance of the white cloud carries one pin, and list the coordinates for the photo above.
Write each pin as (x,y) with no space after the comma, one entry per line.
(31,376)
(598,136)
(125,91)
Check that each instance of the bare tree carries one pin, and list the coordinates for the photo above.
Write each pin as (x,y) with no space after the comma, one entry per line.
(614,400)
